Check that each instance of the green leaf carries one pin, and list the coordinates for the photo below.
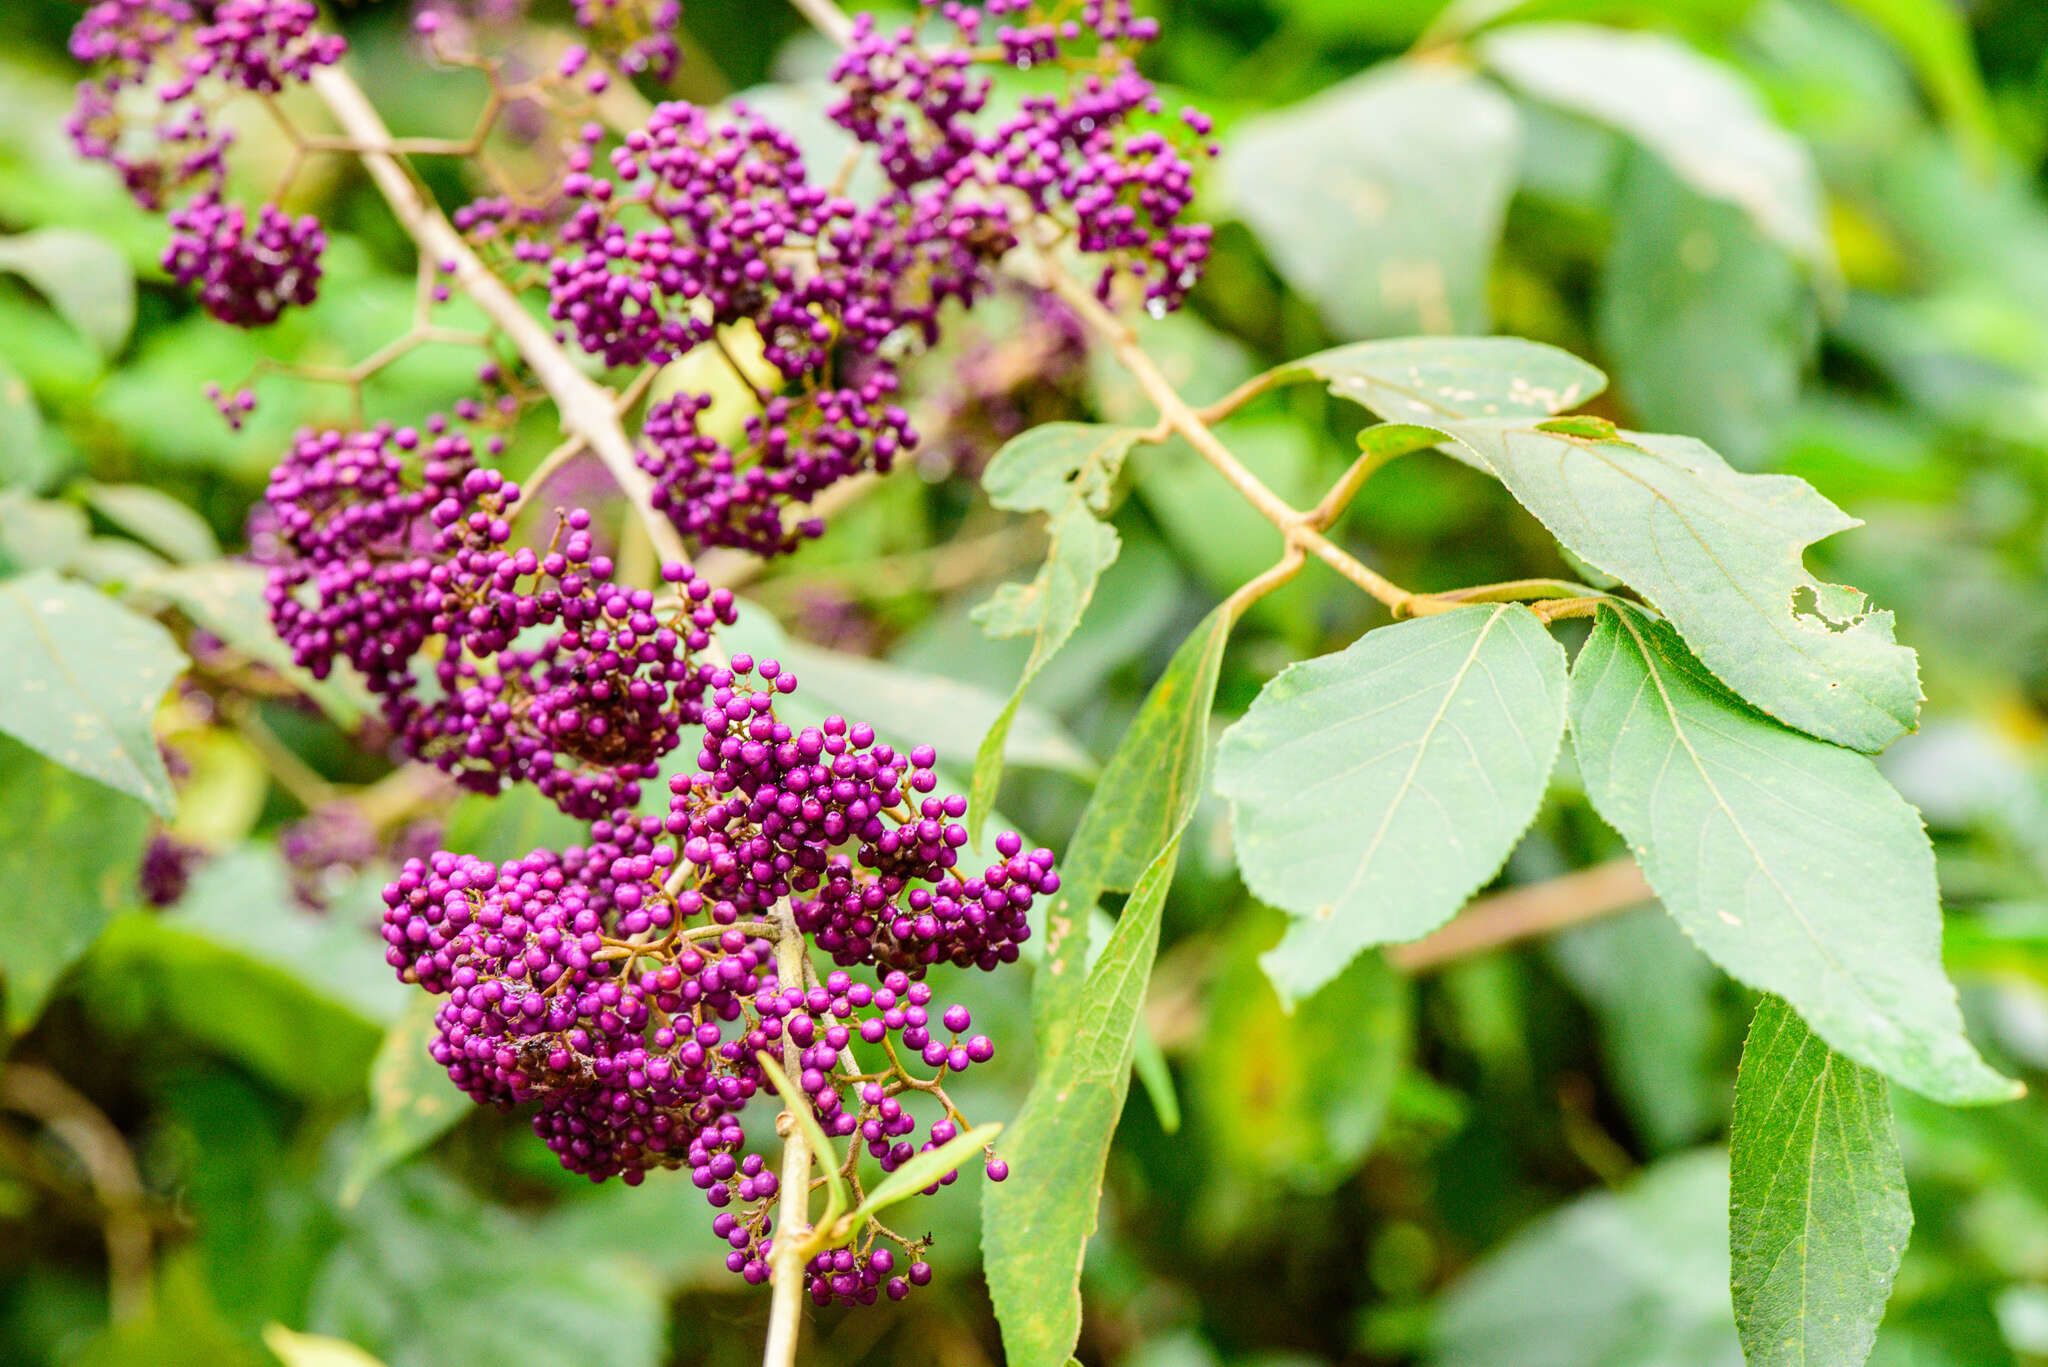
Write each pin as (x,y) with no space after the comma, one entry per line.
(1381,199)
(85,277)
(243,903)
(1432,380)
(923,1170)
(412,1102)
(1791,862)
(1035,1225)
(26,462)
(428,1275)
(1690,110)
(1709,323)
(155,518)
(1374,790)
(1300,1094)
(314,1350)
(226,598)
(1147,792)
(1068,471)
(1935,37)
(1635,1278)
(1817,1210)
(510,825)
(1718,552)
(69,858)
(88,675)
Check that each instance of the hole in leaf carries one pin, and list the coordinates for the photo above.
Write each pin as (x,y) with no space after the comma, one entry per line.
(1806,606)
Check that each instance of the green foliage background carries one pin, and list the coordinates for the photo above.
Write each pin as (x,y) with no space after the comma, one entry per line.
(1512,1161)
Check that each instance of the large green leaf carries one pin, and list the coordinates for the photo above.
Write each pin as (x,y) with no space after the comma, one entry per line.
(427,1275)
(1035,1225)
(1817,1209)
(85,277)
(1432,380)
(156,519)
(1791,862)
(1718,552)
(68,857)
(1635,1278)
(1687,108)
(1067,471)
(88,675)
(1376,789)
(1147,792)
(412,1102)
(1381,199)
(1085,1008)
(1709,323)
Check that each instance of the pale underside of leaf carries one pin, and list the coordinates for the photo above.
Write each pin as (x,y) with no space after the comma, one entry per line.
(1374,790)
(1790,861)
(1718,552)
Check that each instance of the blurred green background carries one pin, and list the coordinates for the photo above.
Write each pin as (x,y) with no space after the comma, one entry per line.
(1812,232)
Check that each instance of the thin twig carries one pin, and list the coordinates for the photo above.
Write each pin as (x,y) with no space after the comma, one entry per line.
(1528,911)
(110,1168)
(588,410)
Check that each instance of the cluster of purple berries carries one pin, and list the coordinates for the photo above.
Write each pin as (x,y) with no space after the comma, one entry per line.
(709,221)
(149,114)
(393,546)
(627,988)
(1084,159)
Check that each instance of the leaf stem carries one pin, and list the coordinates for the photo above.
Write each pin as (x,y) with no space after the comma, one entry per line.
(1174,412)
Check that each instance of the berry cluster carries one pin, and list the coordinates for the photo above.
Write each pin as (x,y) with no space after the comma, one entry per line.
(165,65)
(546,669)
(712,221)
(628,988)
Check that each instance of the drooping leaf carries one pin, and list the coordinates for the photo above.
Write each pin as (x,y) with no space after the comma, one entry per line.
(1710,324)
(85,277)
(1718,552)
(88,675)
(1790,861)
(1298,1095)
(68,856)
(412,1102)
(1146,794)
(1431,380)
(1635,1278)
(1381,198)
(1035,1225)
(1374,790)
(1817,1209)
(1067,471)
(1685,107)
(156,519)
